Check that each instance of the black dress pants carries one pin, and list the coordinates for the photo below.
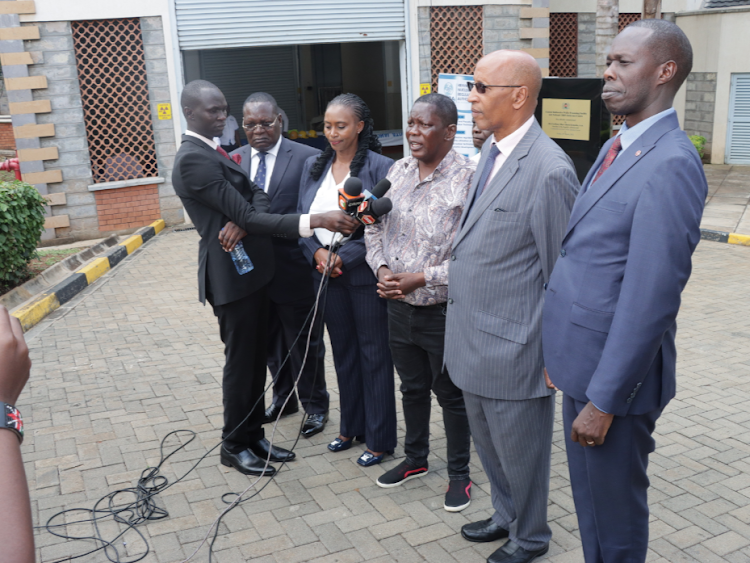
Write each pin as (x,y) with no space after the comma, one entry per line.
(243,325)
(288,321)
(417,339)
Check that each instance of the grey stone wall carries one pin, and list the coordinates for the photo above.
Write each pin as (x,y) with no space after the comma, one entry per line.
(54,58)
(501,25)
(425,54)
(700,100)
(587,45)
(155,54)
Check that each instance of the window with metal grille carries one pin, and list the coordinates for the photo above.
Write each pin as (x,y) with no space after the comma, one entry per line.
(563,45)
(626,19)
(456,40)
(114,92)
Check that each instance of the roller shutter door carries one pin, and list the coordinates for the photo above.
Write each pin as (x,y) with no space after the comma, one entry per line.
(213,24)
(738,132)
(240,72)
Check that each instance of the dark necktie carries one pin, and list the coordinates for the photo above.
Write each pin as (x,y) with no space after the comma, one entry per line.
(612,153)
(222,152)
(260,174)
(489,164)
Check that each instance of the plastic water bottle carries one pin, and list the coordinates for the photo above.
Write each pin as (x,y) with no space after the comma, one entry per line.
(241,260)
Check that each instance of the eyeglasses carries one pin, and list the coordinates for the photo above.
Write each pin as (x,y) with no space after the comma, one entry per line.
(482,88)
(249,127)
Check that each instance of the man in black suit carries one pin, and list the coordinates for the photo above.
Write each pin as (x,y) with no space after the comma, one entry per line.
(275,166)
(215,190)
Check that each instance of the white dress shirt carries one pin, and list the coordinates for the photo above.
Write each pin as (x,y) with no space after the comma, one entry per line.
(227,136)
(327,199)
(304,220)
(270,162)
(507,144)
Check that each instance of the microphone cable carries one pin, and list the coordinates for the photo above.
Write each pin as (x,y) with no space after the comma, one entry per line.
(143,506)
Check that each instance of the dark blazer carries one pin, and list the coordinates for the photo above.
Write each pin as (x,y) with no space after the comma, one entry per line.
(215,190)
(283,189)
(609,316)
(356,270)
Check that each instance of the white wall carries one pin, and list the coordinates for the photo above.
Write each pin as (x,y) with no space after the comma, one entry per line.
(721,44)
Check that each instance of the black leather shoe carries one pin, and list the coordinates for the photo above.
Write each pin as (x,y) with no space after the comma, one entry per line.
(314,424)
(513,553)
(261,447)
(483,531)
(272,412)
(246,462)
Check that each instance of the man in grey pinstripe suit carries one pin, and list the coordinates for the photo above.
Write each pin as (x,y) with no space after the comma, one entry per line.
(503,253)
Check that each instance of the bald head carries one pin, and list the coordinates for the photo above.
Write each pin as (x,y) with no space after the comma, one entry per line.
(194,92)
(516,66)
(513,80)
(204,107)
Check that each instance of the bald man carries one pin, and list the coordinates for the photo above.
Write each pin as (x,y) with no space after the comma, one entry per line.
(502,257)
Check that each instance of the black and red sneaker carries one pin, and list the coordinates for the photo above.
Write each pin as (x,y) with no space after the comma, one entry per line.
(401,474)
(458,495)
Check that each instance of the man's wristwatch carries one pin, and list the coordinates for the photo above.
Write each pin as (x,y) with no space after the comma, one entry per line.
(10,418)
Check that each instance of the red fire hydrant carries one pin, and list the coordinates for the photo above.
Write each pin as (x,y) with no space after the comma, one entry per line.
(12,164)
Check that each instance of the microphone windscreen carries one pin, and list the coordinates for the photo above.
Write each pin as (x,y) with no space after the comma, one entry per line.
(380,188)
(353,186)
(381,206)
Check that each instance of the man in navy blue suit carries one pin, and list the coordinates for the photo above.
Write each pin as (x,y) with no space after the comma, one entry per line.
(610,307)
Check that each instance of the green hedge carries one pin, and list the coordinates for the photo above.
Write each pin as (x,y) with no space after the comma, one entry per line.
(21,226)
(699,142)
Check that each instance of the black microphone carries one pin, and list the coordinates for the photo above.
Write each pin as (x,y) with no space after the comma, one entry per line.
(351,196)
(371,210)
(379,190)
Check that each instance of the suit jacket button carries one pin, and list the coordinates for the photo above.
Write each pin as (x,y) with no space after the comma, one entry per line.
(450,301)
(545,286)
(453,257)
(630,400)
(562,252)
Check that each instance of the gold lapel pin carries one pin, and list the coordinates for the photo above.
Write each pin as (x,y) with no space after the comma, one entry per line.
(637,153)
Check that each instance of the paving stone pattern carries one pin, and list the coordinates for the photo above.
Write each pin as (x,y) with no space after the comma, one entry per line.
(135,357)
(728,198)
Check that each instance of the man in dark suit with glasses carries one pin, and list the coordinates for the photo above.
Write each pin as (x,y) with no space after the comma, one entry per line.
(275,165)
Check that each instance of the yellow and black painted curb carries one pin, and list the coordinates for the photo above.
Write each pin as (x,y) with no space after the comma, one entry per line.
(53,298)
(730,238)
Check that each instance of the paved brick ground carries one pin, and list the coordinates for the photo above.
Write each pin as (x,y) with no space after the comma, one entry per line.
(135,357)
(728,199)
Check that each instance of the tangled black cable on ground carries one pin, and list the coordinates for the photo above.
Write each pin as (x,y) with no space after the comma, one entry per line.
(143,507)
(129,514)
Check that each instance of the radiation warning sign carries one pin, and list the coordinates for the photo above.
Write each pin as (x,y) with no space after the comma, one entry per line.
(164,111)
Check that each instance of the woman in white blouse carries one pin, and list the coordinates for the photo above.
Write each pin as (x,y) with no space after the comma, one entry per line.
(355,316)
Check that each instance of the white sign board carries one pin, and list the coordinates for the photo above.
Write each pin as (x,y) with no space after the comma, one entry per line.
(454,86)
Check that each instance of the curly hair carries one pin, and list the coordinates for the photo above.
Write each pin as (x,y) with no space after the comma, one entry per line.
(367,139)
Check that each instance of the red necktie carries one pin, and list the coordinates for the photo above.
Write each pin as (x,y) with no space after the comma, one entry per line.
(612,153)
(222,152)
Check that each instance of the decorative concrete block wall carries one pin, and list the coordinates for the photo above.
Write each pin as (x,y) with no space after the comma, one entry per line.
(502,25)
(700,101)
(425,62)
(587,45)
(158,92)
(54,58)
